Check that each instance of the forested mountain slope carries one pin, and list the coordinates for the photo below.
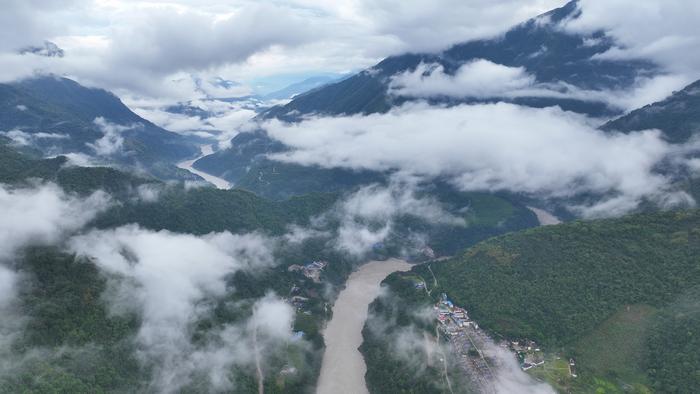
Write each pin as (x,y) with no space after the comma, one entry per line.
(678,116)
(58,116)
(604,292)
(539,45)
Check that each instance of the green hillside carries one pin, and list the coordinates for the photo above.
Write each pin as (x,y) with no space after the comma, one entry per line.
(606,292)
(678,116)
(58,116)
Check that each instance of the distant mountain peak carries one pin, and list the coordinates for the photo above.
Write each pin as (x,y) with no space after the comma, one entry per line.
(47,49)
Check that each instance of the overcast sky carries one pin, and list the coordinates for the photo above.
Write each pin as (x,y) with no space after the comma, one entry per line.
(155,42)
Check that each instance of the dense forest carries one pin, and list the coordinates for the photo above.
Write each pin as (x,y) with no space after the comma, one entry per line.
(620,295)
(394,345)
(70,340)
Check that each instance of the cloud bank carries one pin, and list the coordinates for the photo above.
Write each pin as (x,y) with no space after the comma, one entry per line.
(172,280)
(483,79)
(544,152)
(479,78)
(42,215)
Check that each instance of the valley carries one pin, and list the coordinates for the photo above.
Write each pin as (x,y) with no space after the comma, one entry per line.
(205,150)
(380,197)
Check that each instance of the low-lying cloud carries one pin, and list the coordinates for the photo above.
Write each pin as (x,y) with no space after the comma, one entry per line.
(544,152)
(111,141)
(171,280)
(367,216)
(479,78)
(673,41)
(483,79)
(42,215)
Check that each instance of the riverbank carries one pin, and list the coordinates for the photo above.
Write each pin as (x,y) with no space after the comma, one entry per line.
(343,367)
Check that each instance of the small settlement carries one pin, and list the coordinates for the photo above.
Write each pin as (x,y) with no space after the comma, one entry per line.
(311,270)
(468,340)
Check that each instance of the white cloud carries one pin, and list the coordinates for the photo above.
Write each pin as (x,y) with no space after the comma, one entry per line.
(218,120)
(366,217)
(485,79)
(8,279)
(479,78)
(171,279)
(22,138)
(42,215)
(164,40)
(544,152)
(673,41)
(509,377)
(111,141)
(150,42)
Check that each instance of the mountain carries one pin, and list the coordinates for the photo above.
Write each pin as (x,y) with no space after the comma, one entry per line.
(304,86)
(65,300)
(58,116)
(540,46)
(47,49)
(678,116)
(621,296)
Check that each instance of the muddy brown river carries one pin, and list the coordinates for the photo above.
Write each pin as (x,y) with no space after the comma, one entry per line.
(343,368)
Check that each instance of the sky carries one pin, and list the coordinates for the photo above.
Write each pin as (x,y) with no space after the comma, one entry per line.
(156,43)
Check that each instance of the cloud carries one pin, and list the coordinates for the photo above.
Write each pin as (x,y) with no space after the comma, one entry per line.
(412,25)
(367,216)
(29,22)
(21,138)
(545,152)
(210,118)
(151,42)
(165,41)
(39,215)
(479,78)
(7,286)
(42,215)
(171,280)
(111,141)
(509,377)
(673,42)
(484,79)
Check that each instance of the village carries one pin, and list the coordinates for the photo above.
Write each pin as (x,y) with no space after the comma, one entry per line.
(312,270)
(468,342)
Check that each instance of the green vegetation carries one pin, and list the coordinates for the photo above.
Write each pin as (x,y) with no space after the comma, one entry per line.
(203,210)
(618,295)
(554,284)
(67,110)
(674,346)
(615,350)
(678,116)
(69,343)
(409,370)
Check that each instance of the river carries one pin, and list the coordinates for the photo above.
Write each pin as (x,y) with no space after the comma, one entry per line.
(545,218)
(206,150)
(343,368)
